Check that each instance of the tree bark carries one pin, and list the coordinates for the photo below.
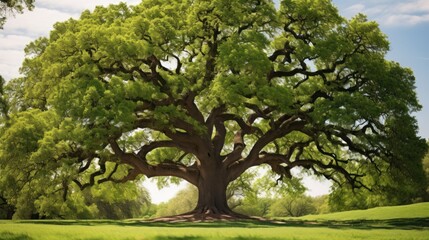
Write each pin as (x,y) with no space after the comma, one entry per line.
(212,193)
(212,203)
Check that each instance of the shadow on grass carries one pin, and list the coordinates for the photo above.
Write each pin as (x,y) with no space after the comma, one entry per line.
(142,223)
(12,236)
(406,224)
(178,238)
(399,223)
(202,238)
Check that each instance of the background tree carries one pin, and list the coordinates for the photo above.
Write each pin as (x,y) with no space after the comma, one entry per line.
(293,206)
(426,169)
(204,90)
(8,7)
(4,109)
(321,204)
(184,201)
(396,186)
(253,205)
(12,7)
(118,201)
(6,210)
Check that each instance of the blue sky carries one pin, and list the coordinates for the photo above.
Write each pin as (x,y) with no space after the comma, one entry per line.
(406,23)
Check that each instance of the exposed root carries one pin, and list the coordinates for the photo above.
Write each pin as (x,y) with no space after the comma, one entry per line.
(207,216)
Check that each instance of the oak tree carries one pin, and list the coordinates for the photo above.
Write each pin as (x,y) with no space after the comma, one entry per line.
(204,90)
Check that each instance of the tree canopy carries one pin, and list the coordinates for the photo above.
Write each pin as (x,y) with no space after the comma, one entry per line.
(204,90)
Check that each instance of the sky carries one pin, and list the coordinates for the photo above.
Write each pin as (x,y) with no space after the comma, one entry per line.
(405,22)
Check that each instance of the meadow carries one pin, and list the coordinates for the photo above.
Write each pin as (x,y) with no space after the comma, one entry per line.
(409,222)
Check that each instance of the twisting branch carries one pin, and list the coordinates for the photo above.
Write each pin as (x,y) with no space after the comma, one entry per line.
(144,150)
(352,178)
(132,175)
(92,177)
(286,126)
(258,113)
(166,168)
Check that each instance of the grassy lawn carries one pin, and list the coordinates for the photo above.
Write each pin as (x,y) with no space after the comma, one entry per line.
(392,223)
(418,210)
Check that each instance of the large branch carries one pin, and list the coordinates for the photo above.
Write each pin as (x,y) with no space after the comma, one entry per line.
(188,142)
(192,108)
(352,178)
(282,164)
(167,168)
(100,172)
(280,128)
(285,127)
(144,150)
(239,145)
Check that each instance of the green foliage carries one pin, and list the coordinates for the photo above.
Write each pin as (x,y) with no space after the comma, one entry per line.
(4,109)
(119,201)
(426,170)
(267,198)
(292,206)
(183,202)
(255,206)
(404,184)
(204,90)
(30,184)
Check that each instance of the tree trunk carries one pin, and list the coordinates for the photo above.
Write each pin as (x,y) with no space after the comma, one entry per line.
(212,200)
(212,195)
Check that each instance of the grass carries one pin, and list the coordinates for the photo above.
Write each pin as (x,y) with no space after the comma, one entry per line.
(392,223)
(418,210)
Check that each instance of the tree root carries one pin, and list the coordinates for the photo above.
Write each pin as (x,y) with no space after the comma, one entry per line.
(208,215)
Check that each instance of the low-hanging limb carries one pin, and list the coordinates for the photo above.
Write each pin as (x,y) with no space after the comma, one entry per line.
(167,168)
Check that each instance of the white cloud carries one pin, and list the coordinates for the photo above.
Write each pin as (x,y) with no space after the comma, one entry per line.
(416,6)
(77,6)
(393,12)
(14,42)
(354,9)
(402,13)
(10,61)
(35,23)
(406,19)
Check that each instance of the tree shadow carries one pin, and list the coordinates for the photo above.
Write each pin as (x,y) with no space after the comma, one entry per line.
(202,238)
(13,236)
(143,223)
(400,223)
(178,238)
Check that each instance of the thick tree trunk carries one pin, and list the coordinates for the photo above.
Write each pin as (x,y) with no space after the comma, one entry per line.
(212,201)
(212,195)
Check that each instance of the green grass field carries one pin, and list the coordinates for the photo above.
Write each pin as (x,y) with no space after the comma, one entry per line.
(391,223)
(418,210)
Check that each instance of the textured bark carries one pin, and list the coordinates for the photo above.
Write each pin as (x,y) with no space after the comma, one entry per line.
(212,192)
